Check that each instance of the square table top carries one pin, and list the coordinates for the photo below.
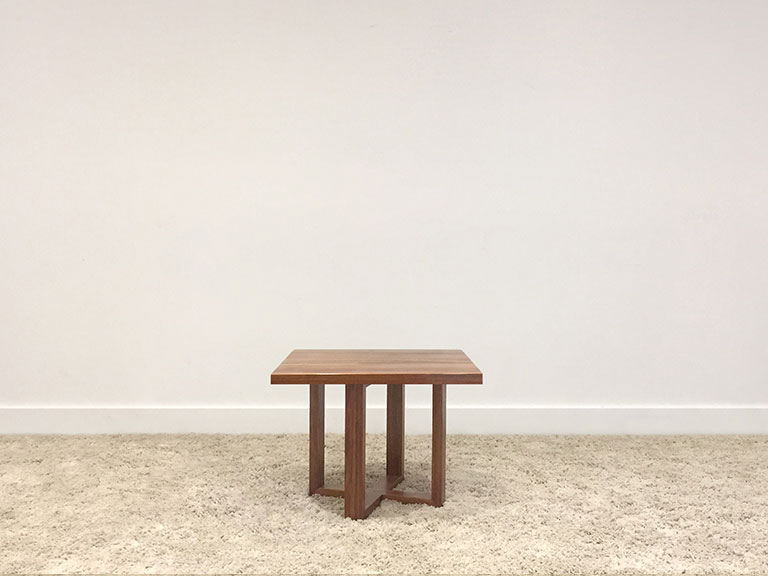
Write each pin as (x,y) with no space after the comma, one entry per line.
(377,367)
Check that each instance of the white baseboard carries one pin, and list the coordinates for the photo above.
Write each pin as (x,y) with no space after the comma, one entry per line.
(744,419)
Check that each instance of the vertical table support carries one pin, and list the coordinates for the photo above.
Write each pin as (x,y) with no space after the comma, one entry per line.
(395,430)
(316,437)
(354,451)
(438,444)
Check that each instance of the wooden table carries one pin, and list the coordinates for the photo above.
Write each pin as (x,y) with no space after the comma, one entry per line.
(356,370)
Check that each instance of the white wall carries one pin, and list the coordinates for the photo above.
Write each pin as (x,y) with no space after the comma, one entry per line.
(575,193)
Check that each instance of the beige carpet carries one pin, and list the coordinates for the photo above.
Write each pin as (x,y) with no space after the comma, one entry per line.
(515,505)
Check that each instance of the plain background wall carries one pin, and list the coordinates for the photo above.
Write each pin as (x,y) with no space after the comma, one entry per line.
(575,193)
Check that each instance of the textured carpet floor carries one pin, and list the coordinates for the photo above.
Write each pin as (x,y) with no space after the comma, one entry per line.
(207,504)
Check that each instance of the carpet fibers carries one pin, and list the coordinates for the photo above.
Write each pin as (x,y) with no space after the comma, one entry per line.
(515,505)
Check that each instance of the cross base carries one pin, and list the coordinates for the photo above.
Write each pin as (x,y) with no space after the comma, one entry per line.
(359,502)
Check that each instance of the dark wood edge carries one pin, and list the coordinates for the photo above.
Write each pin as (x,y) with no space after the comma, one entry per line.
(408,497)
(316,437)
(404,379)
(337,491)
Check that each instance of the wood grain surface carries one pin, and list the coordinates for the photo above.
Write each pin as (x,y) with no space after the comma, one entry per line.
(377,367)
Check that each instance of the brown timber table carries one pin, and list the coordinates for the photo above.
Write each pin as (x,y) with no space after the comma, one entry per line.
(356,370)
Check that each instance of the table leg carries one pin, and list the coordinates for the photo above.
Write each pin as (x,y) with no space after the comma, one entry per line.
(354,452)
(438,444)
(395,429)
(316,437)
